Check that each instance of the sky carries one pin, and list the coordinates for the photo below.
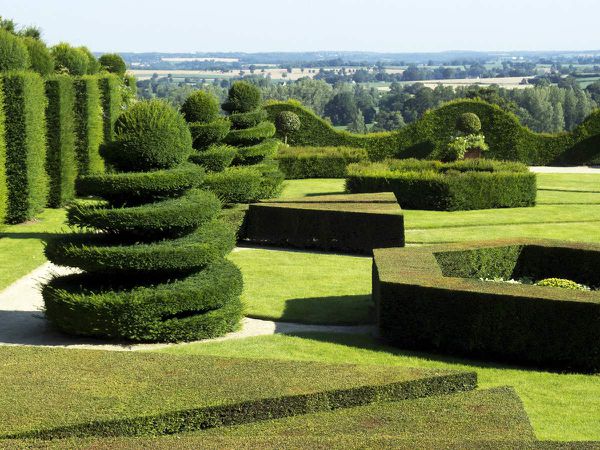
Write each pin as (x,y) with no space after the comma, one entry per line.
(313,25)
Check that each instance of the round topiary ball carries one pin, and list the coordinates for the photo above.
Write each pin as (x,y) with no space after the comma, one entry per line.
(150,135)
(13,52)
(113,63)
(287,122)
(200,106)
(468,123)
(243,97)
(67,59)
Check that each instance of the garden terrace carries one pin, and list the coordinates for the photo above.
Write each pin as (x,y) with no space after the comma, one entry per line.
(348,223)
(114,393)
(432,185)
(433,298)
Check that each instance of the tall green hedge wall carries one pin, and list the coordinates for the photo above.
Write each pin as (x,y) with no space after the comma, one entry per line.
(507,138)
(88,125)
(61,163)
(3,186)
(24,109)
(111,98)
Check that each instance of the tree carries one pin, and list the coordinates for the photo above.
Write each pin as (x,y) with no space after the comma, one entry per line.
(342,109)
(388,121)
(287,122)
(358,124)
(113,63)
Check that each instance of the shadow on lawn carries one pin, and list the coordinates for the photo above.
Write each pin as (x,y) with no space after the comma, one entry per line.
(333,310)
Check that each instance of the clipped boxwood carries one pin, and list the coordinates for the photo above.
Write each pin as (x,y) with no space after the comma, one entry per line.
(242,97)
(439,186)
(206,134)
(111,98)
(253,135)
(247,119)
(200,106)
(216,159)
(88,125)
(13,52)
(318,162)
(235,184)
(3,183)
(433,298)
(41,60)
(25,134)
(61,160)
(257,153)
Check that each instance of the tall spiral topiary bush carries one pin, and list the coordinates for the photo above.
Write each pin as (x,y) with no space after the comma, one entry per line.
(152,255)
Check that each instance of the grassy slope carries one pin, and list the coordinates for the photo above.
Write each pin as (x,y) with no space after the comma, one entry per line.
(560,406)
(496,415)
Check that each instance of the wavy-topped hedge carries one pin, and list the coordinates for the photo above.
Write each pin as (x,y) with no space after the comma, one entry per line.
(507,138)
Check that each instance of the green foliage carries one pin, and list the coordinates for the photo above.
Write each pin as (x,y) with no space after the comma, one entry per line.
(318,162)
(430,298)
(562,283)
(507,139)
(13,52)
(93,65)
(39,56)
(206,134)
(257,153)
(149,135)
(446,187)
(3,182)
(458,147)
(134,188)
(348,223)
(61,160)
(250,136)
(113,63)
(243,97)
(235,184)
(88,125)
(468,123)
(216,158)
(69,60)
(247,119)
(112,100)
(25,134)
(200,107)
(287,122)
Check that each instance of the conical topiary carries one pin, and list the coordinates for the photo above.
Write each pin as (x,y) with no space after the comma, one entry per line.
(152,254)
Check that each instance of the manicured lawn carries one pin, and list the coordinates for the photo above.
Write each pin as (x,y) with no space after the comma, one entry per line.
(305,287)
(314,186)
(560,406)
(583,182)
(22,246)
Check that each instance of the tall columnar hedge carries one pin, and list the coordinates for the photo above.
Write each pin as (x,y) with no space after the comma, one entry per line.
(157,269)
(88,125)
(3,186)
(110,95)
(61,161)
(24,109)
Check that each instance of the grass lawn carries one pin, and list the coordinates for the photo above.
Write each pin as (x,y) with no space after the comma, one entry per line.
(305,287)
(560,406)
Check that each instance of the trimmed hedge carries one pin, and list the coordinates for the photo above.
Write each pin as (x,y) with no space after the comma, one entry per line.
(61,160)
(111,100)
(3,182)
(235,184)
(88,125)
(242,97)
(257,153)
(13,52)
(216,159)
(447,186)
(248,119)
(318,162)
(206,134)
(134,188)
(507,138)
(25,134)
(41,60)
(431,298)
(347,223)
(200,106)
(250,136)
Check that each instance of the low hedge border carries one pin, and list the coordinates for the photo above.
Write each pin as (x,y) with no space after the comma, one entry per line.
(342,224)
(318,162)
(140,187)
(264,409)
(446,187)
(251,136)
(423,301)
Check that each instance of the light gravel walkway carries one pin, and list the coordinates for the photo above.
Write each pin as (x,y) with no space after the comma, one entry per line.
(22,321)
(574,169)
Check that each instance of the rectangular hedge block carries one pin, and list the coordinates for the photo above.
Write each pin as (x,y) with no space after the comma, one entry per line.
(434,298)
(88,125)
(111,98)
(3,185)
(61,161)
(318,162)
(25,134)
(347,223)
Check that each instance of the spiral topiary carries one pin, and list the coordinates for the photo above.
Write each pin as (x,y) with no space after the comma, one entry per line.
(468,123)
(152,253)
(243,97)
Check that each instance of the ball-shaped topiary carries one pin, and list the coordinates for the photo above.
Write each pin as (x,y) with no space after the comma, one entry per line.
(287,122)
(39,56)
(243,97)
(200,106)
(150,135)
(468,123)
(113,63)
(70,60)
(13,52)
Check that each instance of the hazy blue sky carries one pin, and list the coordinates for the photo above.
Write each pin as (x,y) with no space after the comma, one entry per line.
(294,25)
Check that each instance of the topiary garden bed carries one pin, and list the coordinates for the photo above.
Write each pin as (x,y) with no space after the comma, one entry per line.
(433,185)
(439,298)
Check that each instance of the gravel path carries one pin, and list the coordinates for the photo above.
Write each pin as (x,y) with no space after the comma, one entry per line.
(574,169)
(22,321)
